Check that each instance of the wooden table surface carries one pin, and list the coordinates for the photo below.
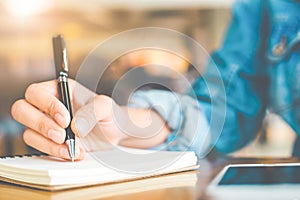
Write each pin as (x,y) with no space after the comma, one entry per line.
(188,185)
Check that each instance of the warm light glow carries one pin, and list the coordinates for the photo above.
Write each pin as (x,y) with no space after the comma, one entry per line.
(71,30)
(22,8)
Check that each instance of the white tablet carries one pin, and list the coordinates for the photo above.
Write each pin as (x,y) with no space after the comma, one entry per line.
(257,181)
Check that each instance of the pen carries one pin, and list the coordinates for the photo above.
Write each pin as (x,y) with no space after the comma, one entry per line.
(62,68)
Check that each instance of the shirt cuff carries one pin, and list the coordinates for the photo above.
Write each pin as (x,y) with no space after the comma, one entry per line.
(183,115)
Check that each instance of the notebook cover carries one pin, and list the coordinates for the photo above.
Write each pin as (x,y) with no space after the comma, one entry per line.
(73,186)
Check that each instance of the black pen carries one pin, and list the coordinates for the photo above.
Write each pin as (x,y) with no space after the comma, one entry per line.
(62,68)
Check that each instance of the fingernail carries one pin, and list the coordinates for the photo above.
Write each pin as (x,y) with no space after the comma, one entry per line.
(82,126)
(64,152)
(56,136)
(60,119)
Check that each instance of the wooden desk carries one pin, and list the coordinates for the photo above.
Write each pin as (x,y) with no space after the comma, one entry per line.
(187,185)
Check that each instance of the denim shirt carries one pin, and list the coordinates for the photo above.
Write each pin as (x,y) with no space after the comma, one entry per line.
(259,62)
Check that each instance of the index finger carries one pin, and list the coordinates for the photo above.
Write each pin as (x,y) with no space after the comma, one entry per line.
(44,96)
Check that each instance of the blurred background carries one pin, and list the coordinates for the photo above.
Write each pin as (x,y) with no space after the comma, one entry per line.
(26,29)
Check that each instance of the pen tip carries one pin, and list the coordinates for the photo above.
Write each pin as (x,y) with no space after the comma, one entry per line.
(71,148)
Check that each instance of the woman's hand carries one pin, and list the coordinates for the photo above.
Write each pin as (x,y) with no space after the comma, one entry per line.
(97,119)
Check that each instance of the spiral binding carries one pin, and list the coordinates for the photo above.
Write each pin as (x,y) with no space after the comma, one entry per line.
(24,155)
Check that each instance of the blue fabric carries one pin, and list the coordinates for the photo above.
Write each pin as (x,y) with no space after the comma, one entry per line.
(259,62)
(257,74)
(184,117)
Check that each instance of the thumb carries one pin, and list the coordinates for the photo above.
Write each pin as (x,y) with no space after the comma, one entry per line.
(89,115)
(84,121)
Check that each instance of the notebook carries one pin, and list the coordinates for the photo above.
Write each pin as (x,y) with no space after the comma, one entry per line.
(180,184)
(102,167)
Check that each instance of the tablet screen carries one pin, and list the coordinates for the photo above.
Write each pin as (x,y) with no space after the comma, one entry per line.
(265,175)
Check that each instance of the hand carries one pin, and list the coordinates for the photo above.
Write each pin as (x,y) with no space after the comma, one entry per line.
(97,118)
(46,117)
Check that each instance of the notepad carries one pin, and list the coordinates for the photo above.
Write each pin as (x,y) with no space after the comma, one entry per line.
(152,186)
(102,167)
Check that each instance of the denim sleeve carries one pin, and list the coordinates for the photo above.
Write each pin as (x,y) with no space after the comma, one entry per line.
(183,115)
(242,65)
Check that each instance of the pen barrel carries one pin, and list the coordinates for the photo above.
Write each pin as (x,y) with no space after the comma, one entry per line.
(63,90)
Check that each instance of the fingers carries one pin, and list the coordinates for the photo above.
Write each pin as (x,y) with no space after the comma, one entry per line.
(46,117)
(44,97)
(37,141)
(33,118)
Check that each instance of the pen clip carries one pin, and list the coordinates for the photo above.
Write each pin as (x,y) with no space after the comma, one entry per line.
(60,55)
(65,60)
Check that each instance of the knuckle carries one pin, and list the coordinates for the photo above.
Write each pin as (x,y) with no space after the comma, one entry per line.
(53,107)
(31,89)
(106,105)
(16,109)
(26,137)
(103,99)
(42,125)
